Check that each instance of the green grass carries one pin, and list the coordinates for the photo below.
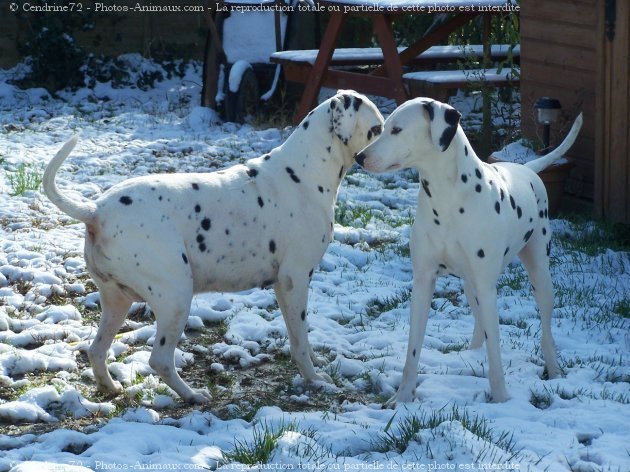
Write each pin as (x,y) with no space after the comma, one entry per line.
(397,438)
(264,440)
(25,178)
(594,237)
(375,307)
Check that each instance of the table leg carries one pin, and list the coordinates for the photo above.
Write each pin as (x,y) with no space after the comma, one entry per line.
(314,83)
(393,66)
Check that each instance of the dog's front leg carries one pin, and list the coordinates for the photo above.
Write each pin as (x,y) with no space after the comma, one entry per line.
(421,295)
(478,335)
(292,295)
(486,298)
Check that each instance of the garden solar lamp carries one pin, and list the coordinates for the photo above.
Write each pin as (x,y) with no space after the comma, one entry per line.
(548,111)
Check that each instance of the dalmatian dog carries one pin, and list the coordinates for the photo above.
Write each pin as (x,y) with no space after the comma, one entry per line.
(163,238)
(472,219)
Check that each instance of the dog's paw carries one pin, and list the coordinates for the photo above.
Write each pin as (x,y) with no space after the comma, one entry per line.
(199,396)
(396,399)
(318,361)
(113,389)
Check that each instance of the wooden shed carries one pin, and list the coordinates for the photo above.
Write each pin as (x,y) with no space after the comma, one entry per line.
(578,51)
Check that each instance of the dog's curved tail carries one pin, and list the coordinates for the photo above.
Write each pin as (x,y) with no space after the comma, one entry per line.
(82,211)
(542,163)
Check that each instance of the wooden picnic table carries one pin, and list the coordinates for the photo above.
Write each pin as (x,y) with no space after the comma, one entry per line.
(386,79)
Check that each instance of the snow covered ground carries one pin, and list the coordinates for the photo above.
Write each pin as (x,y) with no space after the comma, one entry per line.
(51,417)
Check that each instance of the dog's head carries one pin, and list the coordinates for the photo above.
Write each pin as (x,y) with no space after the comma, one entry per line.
(355,120)
(417,130)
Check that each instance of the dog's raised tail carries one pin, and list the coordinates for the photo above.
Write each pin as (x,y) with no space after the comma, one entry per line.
(82,211)
(542,163)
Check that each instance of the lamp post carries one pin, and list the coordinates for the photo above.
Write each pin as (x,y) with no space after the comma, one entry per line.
(548,112)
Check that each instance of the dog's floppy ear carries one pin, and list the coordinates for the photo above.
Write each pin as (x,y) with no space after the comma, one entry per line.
(344,115)
(444,120)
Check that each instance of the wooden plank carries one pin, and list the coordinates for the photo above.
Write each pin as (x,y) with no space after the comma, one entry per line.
(562,56)
(537,30)
(561,11)
(619,168)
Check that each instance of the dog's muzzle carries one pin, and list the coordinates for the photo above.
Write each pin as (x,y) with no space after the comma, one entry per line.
(360,158)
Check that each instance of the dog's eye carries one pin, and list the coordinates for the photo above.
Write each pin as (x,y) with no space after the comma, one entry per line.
(376,130)
(396,130)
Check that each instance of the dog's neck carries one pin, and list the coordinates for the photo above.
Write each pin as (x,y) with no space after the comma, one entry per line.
(440,176)
(313,149)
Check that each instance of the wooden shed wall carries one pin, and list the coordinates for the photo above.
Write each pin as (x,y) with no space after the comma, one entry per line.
(559,59)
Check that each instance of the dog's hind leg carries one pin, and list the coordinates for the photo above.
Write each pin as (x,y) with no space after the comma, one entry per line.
(115,305)
(536,262)
(292,295)
(171,313)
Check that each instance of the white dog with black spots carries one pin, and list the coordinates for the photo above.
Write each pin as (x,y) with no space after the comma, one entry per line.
(472,219)
(163,238)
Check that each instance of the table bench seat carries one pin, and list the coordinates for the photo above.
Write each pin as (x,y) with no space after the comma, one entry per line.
(439,84)
(374,56)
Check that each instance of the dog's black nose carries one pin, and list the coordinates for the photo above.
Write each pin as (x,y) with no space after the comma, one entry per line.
(360,158)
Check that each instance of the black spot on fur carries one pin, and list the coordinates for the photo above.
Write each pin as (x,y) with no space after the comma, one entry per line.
(200,238)
(320,188)
(442,266)
(502,194)
(451,116)
(356,103)
(260,202)
(303,315)
(291,173)
(541,214)
(478,173)
(430,110)
(544,231)
(548,248)
(185,258)
(425,187)
(461,210)
(328,149)
(195,186)
(413,353)
(435,212)
(125,200)
(202,247)
(347,101)
(266,283)
(481,254)
(252,172)
(369,135)
(528,235)
(267,157)
(546,212)
(272,246)
(197,208)
(465,150)
(512,202)
(162,341)
(227,231)
(497,207)
(519,212)
(341,172)
(478,188)
(507,249)
(305,125)
(396,130)
(310,273)
(436,221)
(464,178)
(205,223)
